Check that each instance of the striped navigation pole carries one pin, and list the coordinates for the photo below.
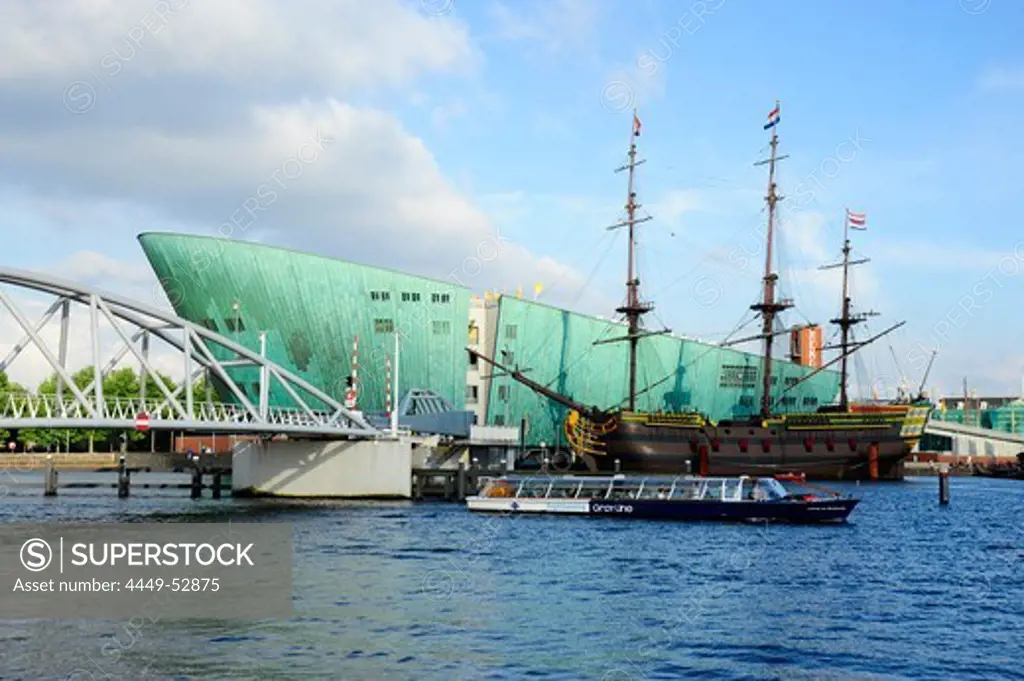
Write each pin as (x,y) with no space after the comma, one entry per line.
(352,390)
(387,385)
(394,411)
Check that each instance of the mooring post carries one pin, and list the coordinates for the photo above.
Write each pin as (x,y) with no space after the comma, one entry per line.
(417,486)
(216,484)
(447,488)
(944,484)
(618,465)
(50,482)
(197,482)
(462,482)
(123,478)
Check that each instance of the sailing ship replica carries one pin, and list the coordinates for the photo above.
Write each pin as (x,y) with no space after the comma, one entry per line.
(847,440)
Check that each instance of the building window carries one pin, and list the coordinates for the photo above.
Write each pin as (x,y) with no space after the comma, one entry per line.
(474,334)
(440,297)
(746,401)
(380,296)
(788,401)
(503,393)
(737,376)
(508,356)
(791,380)
(499,419)
(410,297)
(473,363)
(209,323)
(810,401)
(442,327)
(234,324)
(383,326)
(510,331)
(471,394)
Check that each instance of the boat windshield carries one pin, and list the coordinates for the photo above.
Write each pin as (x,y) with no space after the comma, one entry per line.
(770,488)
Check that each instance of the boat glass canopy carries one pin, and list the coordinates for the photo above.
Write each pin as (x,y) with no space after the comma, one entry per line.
(648,488)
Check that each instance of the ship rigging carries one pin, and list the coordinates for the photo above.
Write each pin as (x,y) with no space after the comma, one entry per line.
(877,438)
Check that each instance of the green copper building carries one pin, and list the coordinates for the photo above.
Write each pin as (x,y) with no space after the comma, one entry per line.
(312,309)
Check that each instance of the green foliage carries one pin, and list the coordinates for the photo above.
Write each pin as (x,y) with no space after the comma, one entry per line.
(8,388)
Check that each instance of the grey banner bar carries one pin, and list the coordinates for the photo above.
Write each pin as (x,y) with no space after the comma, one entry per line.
(158,570)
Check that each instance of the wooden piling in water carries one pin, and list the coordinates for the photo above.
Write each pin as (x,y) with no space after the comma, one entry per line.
(123,479)
(50,479)
(462,482)
(944,484)
(197,483)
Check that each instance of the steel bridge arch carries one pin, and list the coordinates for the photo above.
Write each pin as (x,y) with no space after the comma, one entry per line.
(83,410)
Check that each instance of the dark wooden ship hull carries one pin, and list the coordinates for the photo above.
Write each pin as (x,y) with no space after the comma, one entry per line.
(867,442)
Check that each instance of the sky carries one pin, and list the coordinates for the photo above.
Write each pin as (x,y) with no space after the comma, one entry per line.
(416,134)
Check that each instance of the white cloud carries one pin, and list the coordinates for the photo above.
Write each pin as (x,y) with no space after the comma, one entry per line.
(369,191)
(104,273)
(334,42)
(555,24)
(365,188)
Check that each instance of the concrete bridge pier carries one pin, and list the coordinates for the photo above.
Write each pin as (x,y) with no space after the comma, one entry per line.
(371,468)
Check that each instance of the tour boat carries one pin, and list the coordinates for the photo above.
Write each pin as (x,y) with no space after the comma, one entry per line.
(663,497)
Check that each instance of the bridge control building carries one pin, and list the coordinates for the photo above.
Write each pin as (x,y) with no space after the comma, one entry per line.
(313,309)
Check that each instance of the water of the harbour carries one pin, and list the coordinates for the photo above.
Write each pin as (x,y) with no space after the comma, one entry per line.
(906,590)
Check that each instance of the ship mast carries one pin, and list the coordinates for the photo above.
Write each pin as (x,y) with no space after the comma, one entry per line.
(846,321)
(634,308)
(769,307)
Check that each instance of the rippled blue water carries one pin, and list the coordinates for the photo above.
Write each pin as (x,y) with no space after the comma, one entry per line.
(905,590)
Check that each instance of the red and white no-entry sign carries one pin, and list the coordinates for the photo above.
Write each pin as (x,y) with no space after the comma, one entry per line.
(142,422)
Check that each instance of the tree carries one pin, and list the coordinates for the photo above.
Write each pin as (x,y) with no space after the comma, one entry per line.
(36,438)
(9,390)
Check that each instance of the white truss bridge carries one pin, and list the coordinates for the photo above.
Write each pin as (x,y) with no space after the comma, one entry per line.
(202,352)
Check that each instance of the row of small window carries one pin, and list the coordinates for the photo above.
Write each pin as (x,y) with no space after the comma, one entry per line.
(746,377)
(440,326)
(410,297)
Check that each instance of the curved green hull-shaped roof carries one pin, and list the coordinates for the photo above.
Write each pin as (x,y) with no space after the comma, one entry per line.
(312,308)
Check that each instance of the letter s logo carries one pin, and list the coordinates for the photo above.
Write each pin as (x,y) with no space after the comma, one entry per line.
(36,555)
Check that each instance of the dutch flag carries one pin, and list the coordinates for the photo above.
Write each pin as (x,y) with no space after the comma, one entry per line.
(773,117)
(856,220)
